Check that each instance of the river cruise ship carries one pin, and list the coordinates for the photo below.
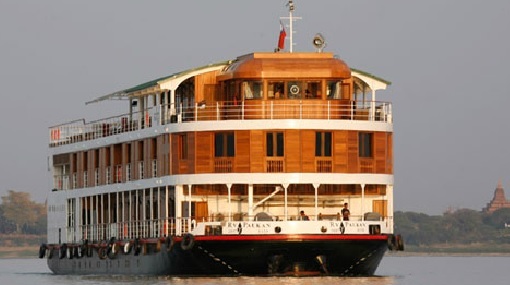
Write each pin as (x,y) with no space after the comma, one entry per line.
(271,163)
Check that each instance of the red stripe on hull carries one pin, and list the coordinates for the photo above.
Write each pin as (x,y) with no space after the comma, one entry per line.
(286,237)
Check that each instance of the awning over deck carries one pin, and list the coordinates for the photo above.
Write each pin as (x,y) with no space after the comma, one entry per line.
(169,82)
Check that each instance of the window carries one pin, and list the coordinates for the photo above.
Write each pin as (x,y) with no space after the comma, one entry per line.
(322,143)
(275,90)
(274,144)
(224,144)
(313,90)
(334,90)
(365,144)
(252,89)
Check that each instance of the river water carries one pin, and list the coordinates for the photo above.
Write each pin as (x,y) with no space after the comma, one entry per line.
(408,270)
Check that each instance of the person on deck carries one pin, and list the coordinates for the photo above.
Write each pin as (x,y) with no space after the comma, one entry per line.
(303,217)
(345,212)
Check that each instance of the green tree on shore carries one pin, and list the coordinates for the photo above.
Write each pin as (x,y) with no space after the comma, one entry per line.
(463,226)
(27,216)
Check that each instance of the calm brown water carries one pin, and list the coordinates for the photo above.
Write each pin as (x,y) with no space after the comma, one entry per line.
(393,270)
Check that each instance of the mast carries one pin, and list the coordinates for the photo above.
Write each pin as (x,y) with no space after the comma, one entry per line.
(291,19)
(291,9)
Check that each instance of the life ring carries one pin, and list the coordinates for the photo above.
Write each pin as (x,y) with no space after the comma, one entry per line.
(62,251)
(294,89)
(101,252)
(127,247)
(113,249)
(169,242)
(193,224)
(188,241)
(42,250)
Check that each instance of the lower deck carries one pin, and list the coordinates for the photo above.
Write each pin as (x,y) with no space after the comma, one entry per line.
(173,210)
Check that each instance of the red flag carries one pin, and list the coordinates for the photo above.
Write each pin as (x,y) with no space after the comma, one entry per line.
(281,39)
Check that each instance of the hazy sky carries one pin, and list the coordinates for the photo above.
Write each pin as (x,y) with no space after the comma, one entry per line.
(448,61)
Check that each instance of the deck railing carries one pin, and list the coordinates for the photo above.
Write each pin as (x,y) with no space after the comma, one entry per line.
(79,130)
(131,229)
(177,226)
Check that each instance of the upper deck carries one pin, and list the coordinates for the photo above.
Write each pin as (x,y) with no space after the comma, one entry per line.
(258,86)
(80,130)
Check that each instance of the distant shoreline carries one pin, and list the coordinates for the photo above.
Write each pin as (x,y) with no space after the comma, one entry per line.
(30,251)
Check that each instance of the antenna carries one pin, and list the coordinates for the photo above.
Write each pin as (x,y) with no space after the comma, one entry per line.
(291,19)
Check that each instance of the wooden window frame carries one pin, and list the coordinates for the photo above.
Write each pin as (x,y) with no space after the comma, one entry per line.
(365,144)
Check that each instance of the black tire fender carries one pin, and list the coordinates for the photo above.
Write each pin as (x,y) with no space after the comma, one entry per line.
(188,241)
(42,250)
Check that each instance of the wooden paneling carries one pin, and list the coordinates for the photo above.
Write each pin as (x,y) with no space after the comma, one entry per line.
(205,152)
(389,146)
(352,152)
(117,154)
(289,108)
(380,152)
(250,153)
(381,207)
(192,152)
(174,142)
(292,151)
(205,85)
(285,65)
(163,147)
(257,151)
(242,151)
(253,109)
(340,151)
(201,211)
(61,159)
(308,151)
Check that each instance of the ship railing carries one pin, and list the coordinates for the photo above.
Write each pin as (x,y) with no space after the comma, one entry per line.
(61,182)
(159,228)
(134,229)
(79,130)
(268,216)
